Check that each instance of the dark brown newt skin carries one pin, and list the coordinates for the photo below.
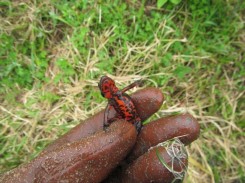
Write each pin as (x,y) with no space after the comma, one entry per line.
(147,101)
(184,126)
(88,160)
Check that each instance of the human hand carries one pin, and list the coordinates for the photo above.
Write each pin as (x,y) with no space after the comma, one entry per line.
(88,154)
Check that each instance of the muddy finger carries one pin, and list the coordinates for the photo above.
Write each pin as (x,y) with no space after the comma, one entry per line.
(159,165)
(147,102)
(88,160)
(183,126)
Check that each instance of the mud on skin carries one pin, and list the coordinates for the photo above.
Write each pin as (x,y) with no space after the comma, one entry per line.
(69,143)
(184,126)
(143,156)
(88,160)
(148,167)
(147,102)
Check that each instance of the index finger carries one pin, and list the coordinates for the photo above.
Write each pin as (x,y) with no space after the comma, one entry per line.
(147,102)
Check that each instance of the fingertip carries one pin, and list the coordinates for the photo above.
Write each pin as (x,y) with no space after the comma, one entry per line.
(184,126)
(147,101)
(159,164)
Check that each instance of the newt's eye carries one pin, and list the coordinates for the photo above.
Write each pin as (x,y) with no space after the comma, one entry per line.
(102,94)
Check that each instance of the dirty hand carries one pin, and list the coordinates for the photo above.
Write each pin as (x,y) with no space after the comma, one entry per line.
(88,154)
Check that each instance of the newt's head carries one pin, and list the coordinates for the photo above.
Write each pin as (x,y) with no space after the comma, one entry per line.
(107,87)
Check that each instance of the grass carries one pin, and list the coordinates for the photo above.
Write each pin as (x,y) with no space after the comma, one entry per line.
(53,53)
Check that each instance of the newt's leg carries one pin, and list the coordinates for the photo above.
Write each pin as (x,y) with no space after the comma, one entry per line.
(108,121)
(138,124)
(106,114)
(136,83)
